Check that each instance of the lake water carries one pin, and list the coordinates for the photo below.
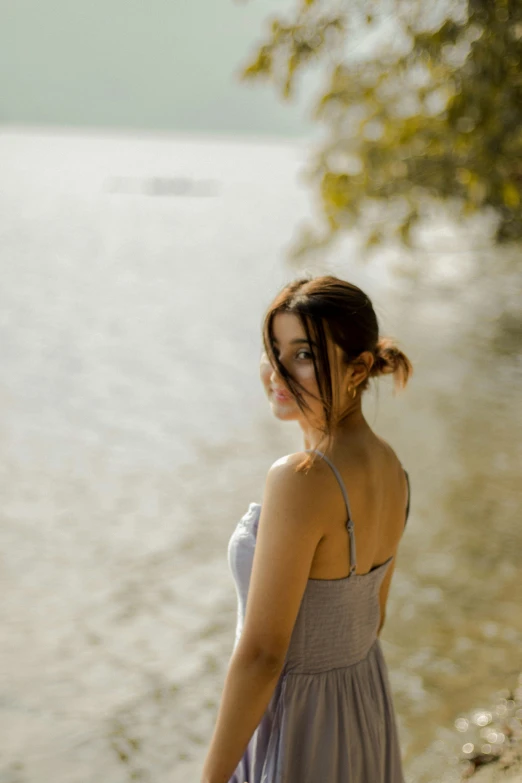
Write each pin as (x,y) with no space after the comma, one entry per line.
(135,432)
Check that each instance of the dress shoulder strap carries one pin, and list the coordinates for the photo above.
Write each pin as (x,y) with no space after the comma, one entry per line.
(409,496)
(349,521)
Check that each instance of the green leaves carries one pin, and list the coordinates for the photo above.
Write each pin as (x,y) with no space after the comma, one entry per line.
(293,46)
(443,120)
(261,66)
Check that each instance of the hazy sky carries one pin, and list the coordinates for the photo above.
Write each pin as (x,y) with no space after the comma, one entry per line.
(164,64)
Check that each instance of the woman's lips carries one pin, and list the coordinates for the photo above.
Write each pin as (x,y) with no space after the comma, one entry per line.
(281,395)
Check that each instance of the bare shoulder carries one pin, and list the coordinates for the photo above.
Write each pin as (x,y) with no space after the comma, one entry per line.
(385,445)
(284,470)
(397,471)
(390,452)
(304,491)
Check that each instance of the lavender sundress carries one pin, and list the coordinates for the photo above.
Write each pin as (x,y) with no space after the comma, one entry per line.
(331,717)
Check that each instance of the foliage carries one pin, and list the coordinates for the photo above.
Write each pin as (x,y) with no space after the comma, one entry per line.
(433,112)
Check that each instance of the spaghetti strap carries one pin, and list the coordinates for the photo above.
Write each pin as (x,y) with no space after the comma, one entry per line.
(409,496)
(349,521)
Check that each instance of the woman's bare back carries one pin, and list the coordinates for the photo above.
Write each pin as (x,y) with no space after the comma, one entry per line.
(378,493)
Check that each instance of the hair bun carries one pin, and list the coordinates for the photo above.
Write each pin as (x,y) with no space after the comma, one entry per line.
(389,359)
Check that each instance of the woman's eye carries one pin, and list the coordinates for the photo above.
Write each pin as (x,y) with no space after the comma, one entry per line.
(307,354)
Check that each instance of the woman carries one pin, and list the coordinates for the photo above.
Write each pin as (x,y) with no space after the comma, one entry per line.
(307,697)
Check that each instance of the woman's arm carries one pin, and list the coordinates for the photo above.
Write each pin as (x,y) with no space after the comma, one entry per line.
(289,531)
(249,685)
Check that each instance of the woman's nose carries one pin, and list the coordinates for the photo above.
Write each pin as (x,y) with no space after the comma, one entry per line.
(276,379)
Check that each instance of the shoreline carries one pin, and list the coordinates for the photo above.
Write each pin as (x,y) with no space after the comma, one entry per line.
(491,739)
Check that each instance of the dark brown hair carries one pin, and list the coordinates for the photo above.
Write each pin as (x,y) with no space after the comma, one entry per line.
(335,310)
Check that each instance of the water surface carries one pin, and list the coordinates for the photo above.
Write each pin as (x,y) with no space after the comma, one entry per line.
(135,432)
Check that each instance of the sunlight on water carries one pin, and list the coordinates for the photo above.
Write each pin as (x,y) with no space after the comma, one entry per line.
(136,432)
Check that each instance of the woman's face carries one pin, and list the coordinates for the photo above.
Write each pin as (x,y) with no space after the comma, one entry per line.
(295,353)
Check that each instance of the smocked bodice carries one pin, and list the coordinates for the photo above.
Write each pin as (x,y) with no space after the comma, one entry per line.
(338,619)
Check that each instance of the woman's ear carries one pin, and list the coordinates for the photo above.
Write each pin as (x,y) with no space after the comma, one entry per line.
(370,361)
(362,367)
